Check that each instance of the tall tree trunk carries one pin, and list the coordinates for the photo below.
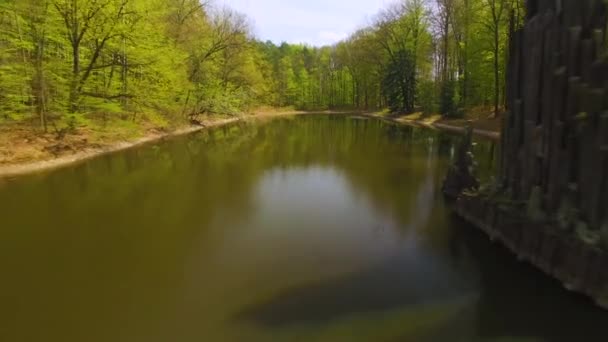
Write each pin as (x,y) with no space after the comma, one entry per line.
(465,57)
(496,71)
(125,80)
(23,55)
(74,92)
(125,69)
(39,83)
(446,32)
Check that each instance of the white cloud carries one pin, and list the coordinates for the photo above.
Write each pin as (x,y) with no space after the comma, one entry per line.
(315,22)
(330,37)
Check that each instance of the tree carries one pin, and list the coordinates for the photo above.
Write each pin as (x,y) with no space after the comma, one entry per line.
(444,23)
(37,27)
(496,23)
(92,24)
(14,65)
(400,82)
(72,63)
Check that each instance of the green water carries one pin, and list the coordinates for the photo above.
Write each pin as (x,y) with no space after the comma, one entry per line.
(315,228)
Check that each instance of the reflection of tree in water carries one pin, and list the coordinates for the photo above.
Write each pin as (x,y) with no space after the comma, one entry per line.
(380,159)
(219,168)
(102,230)
(383,161)
(144,203)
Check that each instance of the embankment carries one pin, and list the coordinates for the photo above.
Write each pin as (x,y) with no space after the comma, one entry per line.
(89,151)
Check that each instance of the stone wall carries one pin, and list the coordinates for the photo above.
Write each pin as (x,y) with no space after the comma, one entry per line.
(555,136)
(549,205)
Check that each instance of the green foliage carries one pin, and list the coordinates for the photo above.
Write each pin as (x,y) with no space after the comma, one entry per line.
(404,63)
(399,83)
(61,60)
(426,97)
(175,58)
(447,99)
(218,101)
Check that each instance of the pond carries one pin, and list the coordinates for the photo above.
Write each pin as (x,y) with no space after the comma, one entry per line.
(309,228)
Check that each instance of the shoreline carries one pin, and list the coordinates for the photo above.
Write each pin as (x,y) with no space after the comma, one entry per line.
(461,130)
(22,169)
(578,266)
(88,153)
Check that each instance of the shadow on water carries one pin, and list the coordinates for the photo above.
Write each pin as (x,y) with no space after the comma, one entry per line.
(505,300)
(518,300)
(386,287)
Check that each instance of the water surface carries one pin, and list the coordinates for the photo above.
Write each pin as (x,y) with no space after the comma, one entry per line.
(316,228)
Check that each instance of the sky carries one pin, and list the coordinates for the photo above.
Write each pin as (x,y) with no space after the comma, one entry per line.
(314,22)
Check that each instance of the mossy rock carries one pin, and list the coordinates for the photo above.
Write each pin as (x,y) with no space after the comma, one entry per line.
(587,235)
(567,215)
(534,209)
(604,236)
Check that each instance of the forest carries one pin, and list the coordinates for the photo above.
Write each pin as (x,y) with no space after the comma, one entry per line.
(66,64)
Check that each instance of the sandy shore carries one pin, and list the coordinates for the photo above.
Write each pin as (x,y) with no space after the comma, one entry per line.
(90,153)
(479,132)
